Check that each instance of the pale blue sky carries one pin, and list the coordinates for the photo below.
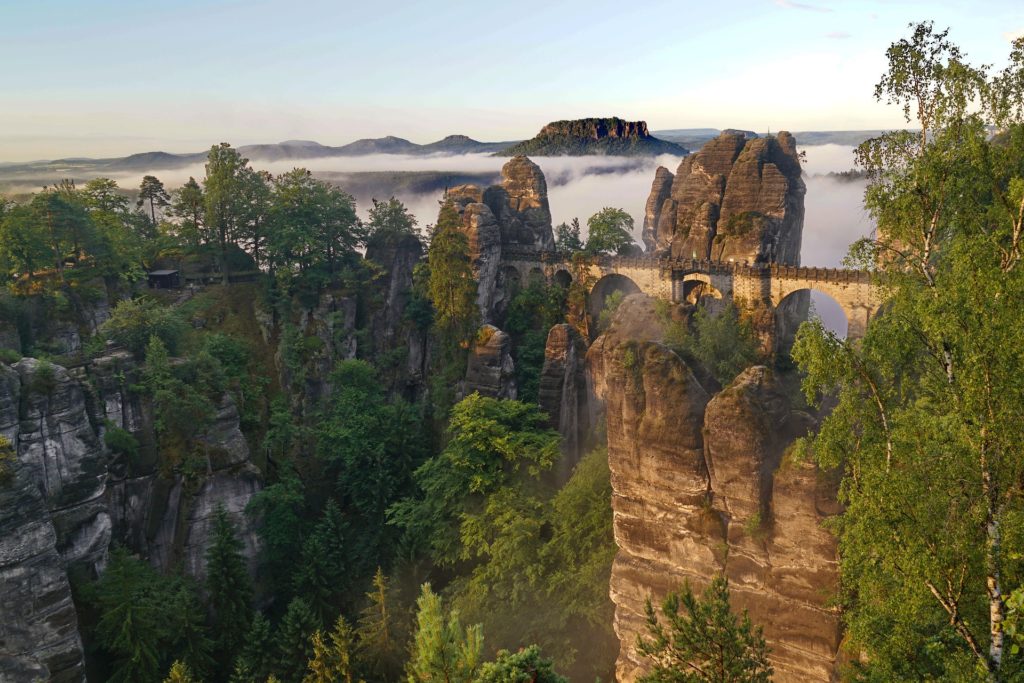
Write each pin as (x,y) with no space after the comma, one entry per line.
(108,78)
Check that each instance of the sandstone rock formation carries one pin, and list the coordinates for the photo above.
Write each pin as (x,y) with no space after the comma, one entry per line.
(563,393)
(612,136)
(512,215)
(490,370)
(700,488)
(737,198)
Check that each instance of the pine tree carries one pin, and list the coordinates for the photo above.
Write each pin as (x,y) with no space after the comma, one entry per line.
(442,651)
(179,673)
(294,645)
(255,661)
(452,285)
(332,659)
(706,643)
(230,589)
(153,192)
(380,643)
(320,578)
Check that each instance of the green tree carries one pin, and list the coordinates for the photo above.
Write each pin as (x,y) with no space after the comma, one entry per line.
(294,641)
(133,322)
(389,222)
(525,666)
(321,578)
(188,206)
(332,660)
(721,340)
(281,515)
(929,402)
(229,588)
(567,238)
(490,442)
(705,643)
(23,243)
(609,232)
(255,661)
(452,285)
(380,634)
(442,651)
(152,192)
(224,200)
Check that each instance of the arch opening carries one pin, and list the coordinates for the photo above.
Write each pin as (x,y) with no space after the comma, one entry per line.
(694,287)
(807,304)
(563,279)
(612,287)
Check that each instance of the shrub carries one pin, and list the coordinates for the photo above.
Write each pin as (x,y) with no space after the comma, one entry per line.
(122,442)
(9,356)
(133,322)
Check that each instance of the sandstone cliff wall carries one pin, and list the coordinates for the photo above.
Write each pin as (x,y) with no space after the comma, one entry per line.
(700,487)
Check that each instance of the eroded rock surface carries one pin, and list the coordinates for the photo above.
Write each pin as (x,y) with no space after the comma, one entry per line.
(490,370)
(737,198)
(700,487)
(563,392)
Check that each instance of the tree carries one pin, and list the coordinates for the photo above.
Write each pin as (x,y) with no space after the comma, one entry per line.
(389,222)
(320,577)
(134,322)
(230,589)
(255,661)
(442,651)
(332,659)
(179,673)
(188,205)
(452,285)
(722,341)
(490,442)
(281,521)
(23,243)
(152,191)
(706,643)
(294,640)
(525,666)
(929,402)
(567,238)
(609,232)
(379,634)
(224,197)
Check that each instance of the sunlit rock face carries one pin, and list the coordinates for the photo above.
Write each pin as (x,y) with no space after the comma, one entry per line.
(700,487)
(490,370)
(563,393)
(736,199)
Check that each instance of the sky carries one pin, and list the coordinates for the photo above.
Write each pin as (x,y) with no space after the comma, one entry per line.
(107,78)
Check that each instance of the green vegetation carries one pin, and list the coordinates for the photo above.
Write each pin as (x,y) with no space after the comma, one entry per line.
(609,232)
(722,342)
(704,643)
(926,428)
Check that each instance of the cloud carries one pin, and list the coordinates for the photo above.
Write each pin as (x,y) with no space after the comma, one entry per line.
(837,35)
(790,4)
(1011,36)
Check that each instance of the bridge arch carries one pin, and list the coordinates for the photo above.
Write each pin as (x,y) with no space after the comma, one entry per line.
(562,278)
(695,286)
(605,287)
(807,304)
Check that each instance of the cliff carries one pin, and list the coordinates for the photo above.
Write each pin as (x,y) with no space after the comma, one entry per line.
(737,198)
(700,487)
(594,136)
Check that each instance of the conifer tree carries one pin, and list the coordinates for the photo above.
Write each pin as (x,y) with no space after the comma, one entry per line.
(332,660)
(230,589)
(320,578)
(255,661)
(379,634)
(152,192)
(294,644)
(443,652)
(179,673)
(452,286)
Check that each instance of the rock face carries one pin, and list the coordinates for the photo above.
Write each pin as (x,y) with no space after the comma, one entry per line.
(700,488)
(490,370)
(737,198)
(512,215)
(612,136)
(563,393)
(38,624)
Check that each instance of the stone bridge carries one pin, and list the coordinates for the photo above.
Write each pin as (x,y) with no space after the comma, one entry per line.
(751,287)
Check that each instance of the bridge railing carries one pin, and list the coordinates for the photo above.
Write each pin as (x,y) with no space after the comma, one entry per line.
(704,266)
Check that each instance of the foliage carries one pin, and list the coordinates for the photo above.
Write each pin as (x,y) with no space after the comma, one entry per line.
(704,643)
(280,513)
(525,666)
(146,620)
(179,673)
(609,231)
(531,314)
(381,634)
(122,442)
(294,641)
(567,238)
(578,296)
(255,661)
(490,442)
(133,322)
(721,341)
(229,589)
(442,651)
(929,403)
(452,287)
(332,660)
(611,304)
(389,222)
(321,577)
(7,460)
(152,192)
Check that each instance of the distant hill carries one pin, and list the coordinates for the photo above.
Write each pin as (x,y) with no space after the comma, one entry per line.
(596,136)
